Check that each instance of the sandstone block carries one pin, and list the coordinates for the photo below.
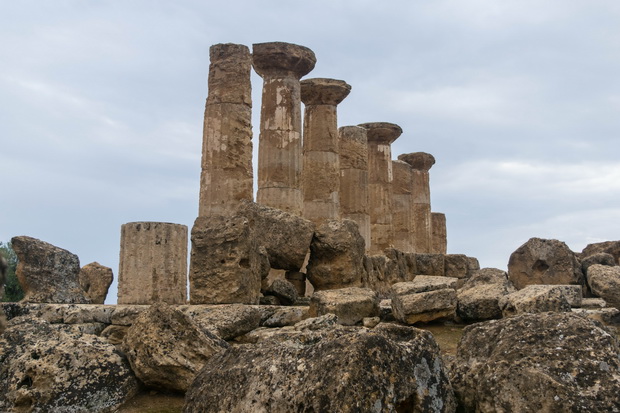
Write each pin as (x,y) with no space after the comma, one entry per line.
(350,305)
(479,297)
(544,261)
(96,279)
(336,256)
(430,264)
(46,273)
(604,281)
(456,265)
(226,321)
(534,299)
(410,307)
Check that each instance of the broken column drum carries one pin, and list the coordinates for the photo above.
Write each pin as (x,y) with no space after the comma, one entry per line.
(153,263)
(402,203)
(439,233)
(321,166)
(421,163)
(281,65)
(353,148)
(380,137)
(226,175)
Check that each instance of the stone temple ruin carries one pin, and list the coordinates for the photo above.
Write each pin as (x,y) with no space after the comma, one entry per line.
(305,299)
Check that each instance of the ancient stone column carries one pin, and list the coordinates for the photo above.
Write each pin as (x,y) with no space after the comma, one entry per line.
(402,206)
(380,138)
(153,263)
(354,178)
(281,65)
(439,233)
(421,162)
(321,166)
(226,174)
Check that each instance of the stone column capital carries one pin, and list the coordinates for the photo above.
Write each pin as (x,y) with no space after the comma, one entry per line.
(382,132)
(321,91)
(420,161)
(282,59)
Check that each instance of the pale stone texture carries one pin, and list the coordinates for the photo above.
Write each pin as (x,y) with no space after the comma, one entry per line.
(544,261)
(424,299)
(321,165)
(336,256)
(227,321)
(479,297)
(402,206)
(552,362)
(439,233)
(605,283)
(388,369)
(226,263)
(534,299)
(166,349)
(46,273)
(96,279)
(351,305)
(49,369)
(381,271)
(380,136)
(226,175)
(153,263)
(281,65)
(354,178)
(421,163)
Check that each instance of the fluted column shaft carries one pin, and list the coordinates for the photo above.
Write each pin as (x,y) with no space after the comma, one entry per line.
(439,233)
(402,204)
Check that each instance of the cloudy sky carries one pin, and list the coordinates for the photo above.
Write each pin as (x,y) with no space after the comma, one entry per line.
(101,107)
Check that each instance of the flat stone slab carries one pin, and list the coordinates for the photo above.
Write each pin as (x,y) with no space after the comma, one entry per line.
(424,283)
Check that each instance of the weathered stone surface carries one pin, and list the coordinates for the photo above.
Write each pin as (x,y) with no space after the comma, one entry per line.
(439,233)
(95,280)
(604,281)
(353,157)
(390,369)
(479,297)
(225,263)
(115,334)
(609,247)
(166,349)
(227,320)
(456,265)
(283,290)
(599,258)
(544,261)
(286,316)
(593,302)
(551,362)
(421,161)
(285,236)
(381,271)
(336,256)
(609,316)
(317,323)
(227,175)
(46,369)
(351,305)
(281,65)
(153,263)
(534,299)
(430,264)
(125,315)
(424,299)
(402,206)
(298,280)
(46,273)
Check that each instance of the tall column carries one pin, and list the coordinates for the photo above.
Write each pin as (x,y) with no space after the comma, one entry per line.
(402,203)
(439,233)
(354,178)
(321,166)
(226,174)
(153,263)
(421,163)
(380,138)
(281,65)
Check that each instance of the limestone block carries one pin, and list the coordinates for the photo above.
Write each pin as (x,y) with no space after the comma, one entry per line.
(402,206)
(286,316)
(544,261)
(609,247)
(602,258)
(608,316)
(534,299)
(430,264)
(439,233)
(479,297)
(350,305)
(225,262)
(96,279)
(456,265)
(424,283)
(410,308)
(227,321)
(46,273)
(604,281)
(336,256)
(283,290)
(153,263)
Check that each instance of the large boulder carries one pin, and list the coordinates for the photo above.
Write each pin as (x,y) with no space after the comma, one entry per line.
(424,299)
(226,264)
(351,304)
(602,258)
(389,369)
(46,273)
(479,297)
(550,362)
(166,349)
(535,299)
(285,236)
(46,369)
(336,256)
(95,280)
(544,261)
(608,247)
(604,281)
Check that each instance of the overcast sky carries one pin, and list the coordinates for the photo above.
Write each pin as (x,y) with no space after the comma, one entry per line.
(102,102)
